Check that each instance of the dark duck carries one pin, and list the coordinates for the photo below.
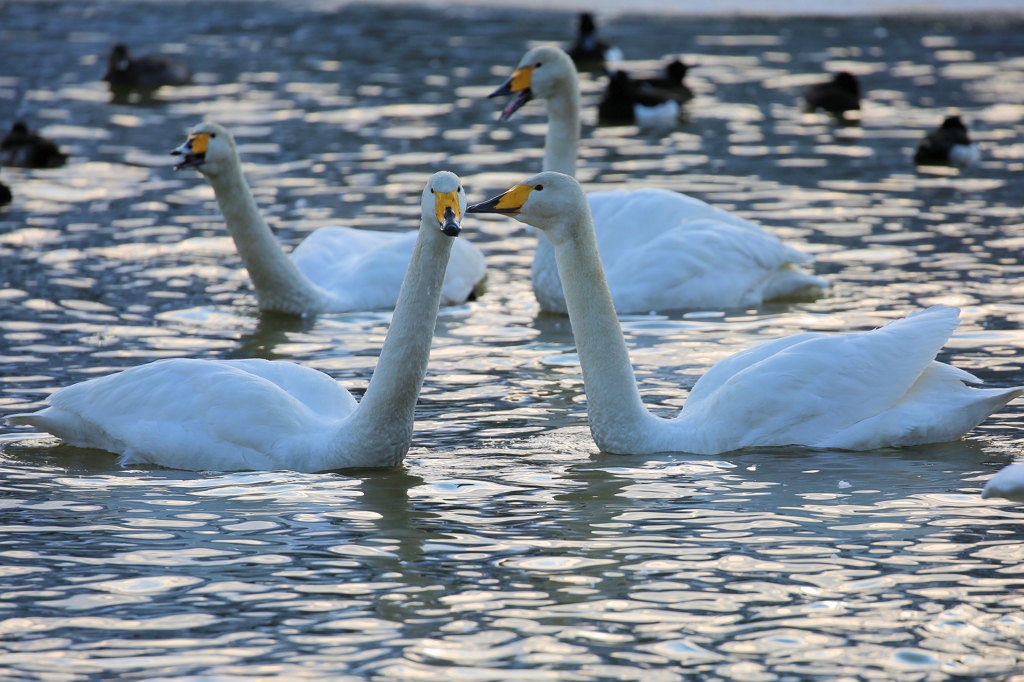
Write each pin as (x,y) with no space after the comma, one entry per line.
(947,145)
(629,102)
(144,75)
(838,96)
(24,148)
(588,52)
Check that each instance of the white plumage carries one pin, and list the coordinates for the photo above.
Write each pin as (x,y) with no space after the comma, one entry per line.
(855,391)
(336,269)
(664,250)
(228,415)
(1008,483)
(656,258)
(363,269)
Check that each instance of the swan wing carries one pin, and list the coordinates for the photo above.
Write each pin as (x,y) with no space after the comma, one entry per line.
(806,389)
(364,269)
(202,414)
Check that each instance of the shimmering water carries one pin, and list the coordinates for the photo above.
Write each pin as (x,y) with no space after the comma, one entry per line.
(507,548)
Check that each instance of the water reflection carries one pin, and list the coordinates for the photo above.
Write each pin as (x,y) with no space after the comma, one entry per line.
(506,547)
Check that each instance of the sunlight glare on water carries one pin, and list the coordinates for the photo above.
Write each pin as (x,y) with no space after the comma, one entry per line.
(507,547)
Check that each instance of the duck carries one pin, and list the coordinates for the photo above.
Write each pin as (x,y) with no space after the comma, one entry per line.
(5,194)
(335,269)
(589,53)
(854,391)
(24,148)
(626,103)
(837,97)
(1008,484)
(947,145)
(662,250)
(671,82)
(144,75)
(230,415)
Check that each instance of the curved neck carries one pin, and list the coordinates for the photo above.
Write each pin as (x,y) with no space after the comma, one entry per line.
(563,137)
(614,407)
(279,283)
(387,408)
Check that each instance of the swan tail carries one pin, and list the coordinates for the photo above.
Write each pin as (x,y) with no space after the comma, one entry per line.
(939,408)
(1008,483)
(791,281)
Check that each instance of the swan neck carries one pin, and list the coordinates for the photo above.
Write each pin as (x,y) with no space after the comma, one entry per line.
(279,283)
(563,136)
(617,414)
(387,408)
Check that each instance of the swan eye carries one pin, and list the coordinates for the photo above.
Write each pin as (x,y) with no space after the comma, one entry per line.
(431,190)
(537,65)
(459,189)
(213,134)
(539,187)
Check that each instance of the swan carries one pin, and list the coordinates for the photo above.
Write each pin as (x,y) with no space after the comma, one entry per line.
(1008,483)
(335,269)
(662,250)
(24,148)
(837,96)
(949,144)
(226,415)
(144,75)
(856,391)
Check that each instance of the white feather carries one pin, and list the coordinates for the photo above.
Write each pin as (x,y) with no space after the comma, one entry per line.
(1008,483)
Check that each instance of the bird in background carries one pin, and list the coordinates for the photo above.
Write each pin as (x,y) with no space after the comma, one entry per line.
(947,145)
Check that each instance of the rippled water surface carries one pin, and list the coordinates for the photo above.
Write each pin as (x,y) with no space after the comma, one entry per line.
(507,548)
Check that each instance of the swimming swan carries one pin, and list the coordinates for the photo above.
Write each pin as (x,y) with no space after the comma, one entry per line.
(225,415)
(857,391)
(335,269)
(662,250)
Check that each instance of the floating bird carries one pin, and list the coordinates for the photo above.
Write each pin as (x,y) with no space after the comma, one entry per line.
(144,75)
(25,148)
(837,97)
(947,145)
(857,391)
(225,415)
(626,102)
(588,52)
(672,82)
(335,269)
(662,250)
(1008,483)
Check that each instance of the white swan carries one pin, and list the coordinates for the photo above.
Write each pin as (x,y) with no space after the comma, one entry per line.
(856,391)
(662,250)
(227,415)
(335,269)
(1008,483)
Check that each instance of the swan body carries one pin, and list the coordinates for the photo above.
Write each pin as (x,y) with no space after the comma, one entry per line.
(1008,483)
(24,148)
(856,391)
(637,226)
(229,415)
(335,269)
(949,144)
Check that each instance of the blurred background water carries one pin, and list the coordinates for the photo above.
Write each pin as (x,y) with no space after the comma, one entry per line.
(507,548)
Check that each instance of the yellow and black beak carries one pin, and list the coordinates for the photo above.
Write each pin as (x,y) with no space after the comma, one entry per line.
(519,85)
(509,203)
(447,210)
(194,151)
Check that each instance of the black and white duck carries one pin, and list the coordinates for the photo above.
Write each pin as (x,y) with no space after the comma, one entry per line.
(947,145)
(143,75)
(24,148)
(837,97)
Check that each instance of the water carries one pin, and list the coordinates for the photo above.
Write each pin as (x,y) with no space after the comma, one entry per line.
(507,548)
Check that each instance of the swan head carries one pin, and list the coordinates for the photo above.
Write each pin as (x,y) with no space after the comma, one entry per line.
(209,149)
(546,201)
(542,72)
(445,200)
